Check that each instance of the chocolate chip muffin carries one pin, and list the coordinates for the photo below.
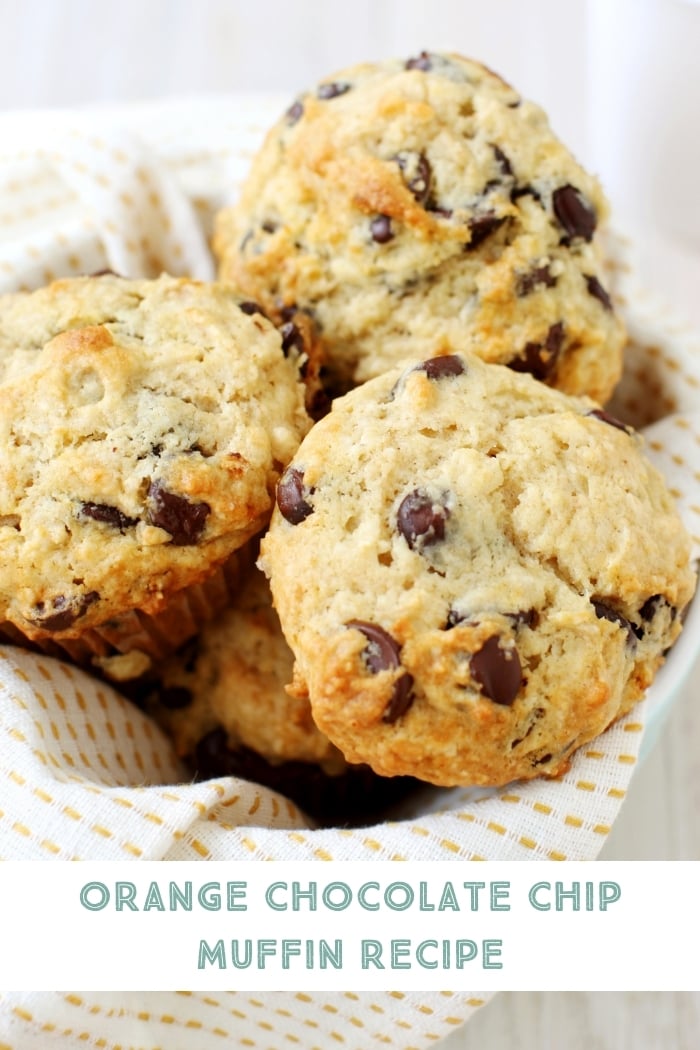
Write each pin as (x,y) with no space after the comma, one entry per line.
(414,208)
(223,701)
(505,571)
(233,677)
(143,427)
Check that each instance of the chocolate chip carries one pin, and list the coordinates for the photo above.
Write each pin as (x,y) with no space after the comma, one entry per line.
(574,212)
(497,671)
(503,161)
(249,307)
(596,289)
(423,61)
(421,520)
(332,90)
(268,226)
(444,213)
(175,697)
(401,699)
(539,275)
(382,653)
(291,496)
(442,367)
(538,359)
(62,612)
(454,618)
(294,113)
(651,605)
(605,417)
(481,227)
(107,514)
(606,612)
(291,338)
(380,228)
(417,174)
(177,515)
(524,191)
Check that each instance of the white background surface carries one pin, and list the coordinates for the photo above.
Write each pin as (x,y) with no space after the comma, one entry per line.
(620,81)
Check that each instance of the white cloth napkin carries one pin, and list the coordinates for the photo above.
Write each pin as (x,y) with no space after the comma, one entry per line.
(84,775)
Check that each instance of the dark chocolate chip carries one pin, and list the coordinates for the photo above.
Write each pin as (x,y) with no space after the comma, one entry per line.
(605,417)
(268,226)
(107,514)
(442,367)
(538,359)
(294,113)
(183,519)
(401,699)
(444,213)
(481,227)
(417,174)
(503,161)
(524,191)
(606,612)
(651,605)
(332,90)
(555,340)
(249,307)
(291,496)
(421,520)
(62,612)
(380,228)
(423,61)
(497,671)
(382,653)
(573,212)
(537,276)
(291,338)
(175,697)
(596,289)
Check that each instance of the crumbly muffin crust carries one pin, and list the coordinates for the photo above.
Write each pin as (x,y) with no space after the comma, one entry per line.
(504,572)
(418,207)
(143,427)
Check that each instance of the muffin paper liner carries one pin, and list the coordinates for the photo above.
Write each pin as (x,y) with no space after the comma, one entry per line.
(84,774)
(138,634)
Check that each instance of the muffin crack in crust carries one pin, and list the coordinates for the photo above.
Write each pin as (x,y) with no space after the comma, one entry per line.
(144,427)
(505,572)
(423,211)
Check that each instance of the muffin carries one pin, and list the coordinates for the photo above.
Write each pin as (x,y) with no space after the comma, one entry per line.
(415,208)
(504,572)
(223,701)
(143,427)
